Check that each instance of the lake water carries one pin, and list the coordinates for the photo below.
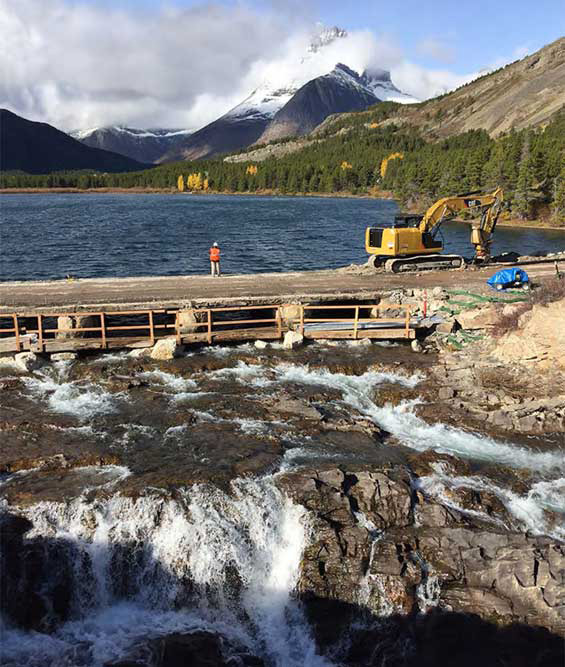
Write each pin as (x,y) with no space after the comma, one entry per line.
(52,235)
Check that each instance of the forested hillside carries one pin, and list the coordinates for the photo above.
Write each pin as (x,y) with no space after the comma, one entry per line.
(529,164)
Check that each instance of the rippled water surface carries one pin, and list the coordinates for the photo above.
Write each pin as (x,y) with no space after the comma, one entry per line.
(50,236)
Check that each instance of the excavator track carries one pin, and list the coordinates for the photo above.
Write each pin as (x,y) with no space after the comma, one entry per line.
(424,263)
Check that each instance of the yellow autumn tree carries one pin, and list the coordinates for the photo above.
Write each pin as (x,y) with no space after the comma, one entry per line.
(346,165)
(205,184)
(180,183)
(251,169)
(194,181)
(372,126)
(386,160)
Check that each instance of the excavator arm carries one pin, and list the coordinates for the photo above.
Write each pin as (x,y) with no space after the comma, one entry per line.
(445,209)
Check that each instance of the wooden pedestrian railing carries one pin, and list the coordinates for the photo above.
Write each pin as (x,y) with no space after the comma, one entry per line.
(47,332)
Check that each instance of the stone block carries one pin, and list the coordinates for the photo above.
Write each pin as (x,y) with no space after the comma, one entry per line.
(27,361)
(292,340)
(166,349)
(416,346)
(362,342)
(446,327)
(188,321)
(63,356)
(479,318)
(65,322)
(290,313)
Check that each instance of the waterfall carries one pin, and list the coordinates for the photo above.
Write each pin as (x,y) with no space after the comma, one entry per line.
(144,567)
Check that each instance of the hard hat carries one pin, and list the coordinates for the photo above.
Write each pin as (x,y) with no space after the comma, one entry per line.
(215,244)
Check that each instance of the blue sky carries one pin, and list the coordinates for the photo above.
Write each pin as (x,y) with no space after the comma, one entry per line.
(464,35)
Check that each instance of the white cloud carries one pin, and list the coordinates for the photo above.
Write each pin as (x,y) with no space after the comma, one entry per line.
(424,83)
(436,49)
(75,65)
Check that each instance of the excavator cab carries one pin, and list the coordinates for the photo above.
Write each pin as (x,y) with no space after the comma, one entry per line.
(407,220)
(403,239)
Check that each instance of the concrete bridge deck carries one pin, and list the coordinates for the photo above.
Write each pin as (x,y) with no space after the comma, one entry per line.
(139,293)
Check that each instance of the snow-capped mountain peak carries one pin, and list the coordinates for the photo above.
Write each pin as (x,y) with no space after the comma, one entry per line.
(378,81)
(326,36)
(133,132)
(282,83)
(142,145)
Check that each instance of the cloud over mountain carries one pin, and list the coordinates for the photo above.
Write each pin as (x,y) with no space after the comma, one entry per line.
(76,65)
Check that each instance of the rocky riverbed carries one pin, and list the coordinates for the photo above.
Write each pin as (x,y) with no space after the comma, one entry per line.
(337,504)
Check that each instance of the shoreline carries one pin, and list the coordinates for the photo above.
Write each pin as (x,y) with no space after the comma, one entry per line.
(379,195)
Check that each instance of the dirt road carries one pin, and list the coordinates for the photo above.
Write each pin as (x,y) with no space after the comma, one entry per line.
(170,291)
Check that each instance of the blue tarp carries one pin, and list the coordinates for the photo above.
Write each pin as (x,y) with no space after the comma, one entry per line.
(508,278)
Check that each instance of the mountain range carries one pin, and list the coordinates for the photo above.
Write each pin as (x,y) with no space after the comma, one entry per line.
(288,104)
(39,148)
(526,93)
(142,145)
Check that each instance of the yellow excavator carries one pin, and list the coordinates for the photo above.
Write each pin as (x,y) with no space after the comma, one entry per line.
(411,243)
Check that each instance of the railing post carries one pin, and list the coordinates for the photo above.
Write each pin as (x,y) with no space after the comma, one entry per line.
(17,331)
(209,326)
(407,321)
(40,331)
(177,327)
(279,322)
(103,329)
(301,319)
(356,322)
(151,328)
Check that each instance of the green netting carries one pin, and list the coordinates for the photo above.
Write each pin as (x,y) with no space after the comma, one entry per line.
(484,299)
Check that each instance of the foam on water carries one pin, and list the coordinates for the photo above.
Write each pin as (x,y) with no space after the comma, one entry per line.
(188,396)
(402,422)
(79,399)
(180,577)
(529,510)
(175,383)
(109,358)
(242,372)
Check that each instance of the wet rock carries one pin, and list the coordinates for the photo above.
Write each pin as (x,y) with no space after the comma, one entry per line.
(261,344)
(416,346)
(27,361)
(140,352)
(292,340)
(197,649)
(166,349)
(362,342)
(63,356)
(297,408)
(377,542)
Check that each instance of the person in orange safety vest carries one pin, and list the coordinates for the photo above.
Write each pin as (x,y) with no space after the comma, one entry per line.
(215,260)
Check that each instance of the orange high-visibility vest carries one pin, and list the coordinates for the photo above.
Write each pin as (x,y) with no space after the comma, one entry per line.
(214,254)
